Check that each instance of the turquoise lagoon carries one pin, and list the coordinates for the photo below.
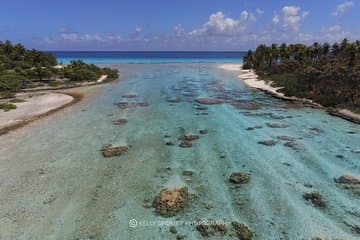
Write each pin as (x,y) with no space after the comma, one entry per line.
(81,195)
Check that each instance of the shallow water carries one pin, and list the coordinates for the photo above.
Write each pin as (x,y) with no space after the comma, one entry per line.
(55,183)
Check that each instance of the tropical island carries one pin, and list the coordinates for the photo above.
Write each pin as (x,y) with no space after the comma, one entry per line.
(325,74)
(29,78)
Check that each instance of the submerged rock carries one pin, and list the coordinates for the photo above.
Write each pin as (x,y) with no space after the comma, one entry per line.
(114,151)
(354,227)
(200,107)
(188,94)
(315,198)
(125,105)
(129,95)
(247,105)
(173,99)
(50,199)
(285,138)
(292,144)
(173,230)
(273,116)
(170,201)
(253,128)
(186,144)
(267,142)
(120,121)
(208,101)
(188,173)
(239,178)
(169,143)
(208,230)
(277,125)
(189,137)
(180,237)
(242,231)
(203,131)
(347,179)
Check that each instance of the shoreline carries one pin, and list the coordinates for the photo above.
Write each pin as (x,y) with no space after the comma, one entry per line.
(76,94)
(250,78)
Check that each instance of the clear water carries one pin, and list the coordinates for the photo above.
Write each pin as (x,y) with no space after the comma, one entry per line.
(95,197)
(148,57)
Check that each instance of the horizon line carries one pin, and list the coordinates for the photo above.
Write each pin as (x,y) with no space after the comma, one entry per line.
(133,51)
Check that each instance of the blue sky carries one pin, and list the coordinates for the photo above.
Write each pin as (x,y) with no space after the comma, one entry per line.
(139,25)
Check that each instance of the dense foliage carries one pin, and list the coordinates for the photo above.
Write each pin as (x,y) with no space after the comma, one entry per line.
(22,68)
(80,71)
(328,74)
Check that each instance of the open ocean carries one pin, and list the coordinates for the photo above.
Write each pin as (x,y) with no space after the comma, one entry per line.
(148,57)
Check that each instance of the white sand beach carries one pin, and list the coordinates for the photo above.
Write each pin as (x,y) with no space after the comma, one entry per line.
(35,104)
(251,79)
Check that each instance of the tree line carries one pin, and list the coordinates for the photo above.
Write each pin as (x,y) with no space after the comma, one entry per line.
(327,74)
(23,68)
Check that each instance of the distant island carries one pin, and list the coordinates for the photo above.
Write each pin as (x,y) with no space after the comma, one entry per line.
(327,74)
(23,70)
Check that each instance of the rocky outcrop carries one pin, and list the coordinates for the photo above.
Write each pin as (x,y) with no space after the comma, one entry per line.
(120,121)
(315,198)
(125,105)
(186,140)
(253,128)
(203,131)
(173,99)
(247,105)
(110,151)
(285,138)
(239,178)
(267,142)
(209,101)
(208,230)
(129,95)
(170,201)
(277,125)
(242,231)
(185,144)
(189,137)
(348,180)
(292,144)
(169,143)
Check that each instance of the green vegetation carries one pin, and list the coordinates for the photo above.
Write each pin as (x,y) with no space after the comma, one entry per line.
(329,75)
(80,71)
(7,106)
(16,100)
(10,82)
(21,68)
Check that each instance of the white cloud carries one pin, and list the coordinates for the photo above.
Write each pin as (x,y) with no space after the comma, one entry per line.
(69,36)
(343,7)
(259,11)
(304,37)
(220,25)
(276,19)
(252,17)
(335,28)
(291,17)
(136,34)
(179,30)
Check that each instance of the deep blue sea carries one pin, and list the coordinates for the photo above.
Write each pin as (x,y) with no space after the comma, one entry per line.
(147,57)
